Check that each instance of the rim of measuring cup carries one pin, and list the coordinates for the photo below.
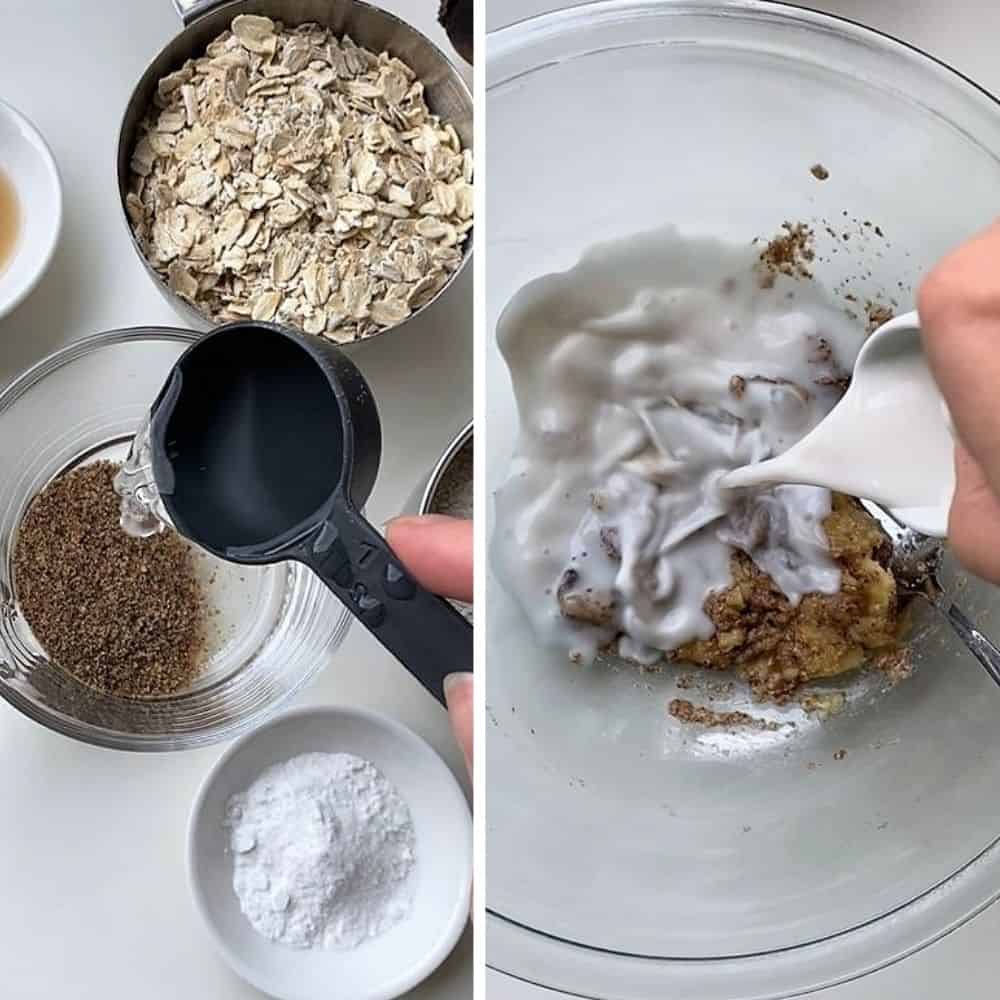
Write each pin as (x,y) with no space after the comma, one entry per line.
(281,547)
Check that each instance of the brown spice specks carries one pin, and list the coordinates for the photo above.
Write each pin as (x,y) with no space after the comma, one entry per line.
(122,615)
(877,315)
(453,496)
(686,711)
(819,171)
(789,253)
(823,704)
(896,664)
(822,351)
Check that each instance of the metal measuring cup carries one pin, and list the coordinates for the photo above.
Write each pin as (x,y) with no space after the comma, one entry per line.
(265,447)
(369,26)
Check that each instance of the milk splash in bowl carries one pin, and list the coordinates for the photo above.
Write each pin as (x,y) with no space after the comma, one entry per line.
(642,375)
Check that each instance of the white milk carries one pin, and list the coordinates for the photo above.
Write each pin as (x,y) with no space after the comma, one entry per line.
(643,374)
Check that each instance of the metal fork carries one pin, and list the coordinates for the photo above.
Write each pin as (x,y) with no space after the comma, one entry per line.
(915,562)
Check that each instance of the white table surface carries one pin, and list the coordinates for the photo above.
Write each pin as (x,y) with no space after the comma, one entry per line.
(964,34)
(94,902)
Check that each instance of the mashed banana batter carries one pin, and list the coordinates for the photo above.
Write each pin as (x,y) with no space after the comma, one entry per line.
(778,646)
(642,375)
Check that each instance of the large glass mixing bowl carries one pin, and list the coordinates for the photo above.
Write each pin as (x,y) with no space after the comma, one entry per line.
(271,628)
(630,856)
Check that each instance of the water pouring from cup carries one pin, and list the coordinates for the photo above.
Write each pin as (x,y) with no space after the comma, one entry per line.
(264,445)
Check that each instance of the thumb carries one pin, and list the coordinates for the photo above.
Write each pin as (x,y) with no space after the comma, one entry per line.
(974,522)
(458,695)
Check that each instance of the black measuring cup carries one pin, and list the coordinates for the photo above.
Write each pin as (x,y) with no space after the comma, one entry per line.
(265,446)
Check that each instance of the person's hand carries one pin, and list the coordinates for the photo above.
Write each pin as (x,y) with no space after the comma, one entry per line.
(959,306)
(438,552)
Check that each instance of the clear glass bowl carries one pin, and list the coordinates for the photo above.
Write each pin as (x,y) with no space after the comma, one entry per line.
(630,856)
(273,628)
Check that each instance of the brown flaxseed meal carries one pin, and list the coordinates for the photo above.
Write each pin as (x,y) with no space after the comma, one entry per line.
(789,253)
(686,711)
(123,615)
(877,314)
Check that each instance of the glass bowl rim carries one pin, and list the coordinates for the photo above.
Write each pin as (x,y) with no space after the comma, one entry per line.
(83,346)
(86,732)
(513,39)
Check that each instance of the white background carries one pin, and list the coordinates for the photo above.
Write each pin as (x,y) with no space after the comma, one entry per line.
(965,34)
(94,902)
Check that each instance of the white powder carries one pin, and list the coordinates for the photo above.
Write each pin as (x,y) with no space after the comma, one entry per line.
(323,851)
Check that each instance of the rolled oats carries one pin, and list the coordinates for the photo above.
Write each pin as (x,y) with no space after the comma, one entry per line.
(292,175)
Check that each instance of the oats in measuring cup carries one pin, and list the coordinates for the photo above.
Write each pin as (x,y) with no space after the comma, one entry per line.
(291,175)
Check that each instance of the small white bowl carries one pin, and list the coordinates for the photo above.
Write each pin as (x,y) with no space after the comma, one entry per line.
(30,167)
(382,967)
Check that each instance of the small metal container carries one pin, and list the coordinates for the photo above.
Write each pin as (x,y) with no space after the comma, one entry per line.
(369,26)
(421,500)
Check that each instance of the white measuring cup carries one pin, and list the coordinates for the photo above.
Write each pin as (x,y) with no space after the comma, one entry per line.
(890,439)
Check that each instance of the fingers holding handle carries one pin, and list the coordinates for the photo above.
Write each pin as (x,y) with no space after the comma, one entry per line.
(438,551)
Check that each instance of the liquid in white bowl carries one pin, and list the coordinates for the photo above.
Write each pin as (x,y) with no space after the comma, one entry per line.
(10,219)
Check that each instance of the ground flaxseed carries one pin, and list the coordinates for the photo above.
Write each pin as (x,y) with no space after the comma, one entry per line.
(687,712)
(877,313)
(789,253)
(123,615)
(454,493)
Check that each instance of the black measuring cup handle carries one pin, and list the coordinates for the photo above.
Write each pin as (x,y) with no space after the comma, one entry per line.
(423,631)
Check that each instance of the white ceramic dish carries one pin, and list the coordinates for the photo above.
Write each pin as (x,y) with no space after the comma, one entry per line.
(383,967)
(30,167)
